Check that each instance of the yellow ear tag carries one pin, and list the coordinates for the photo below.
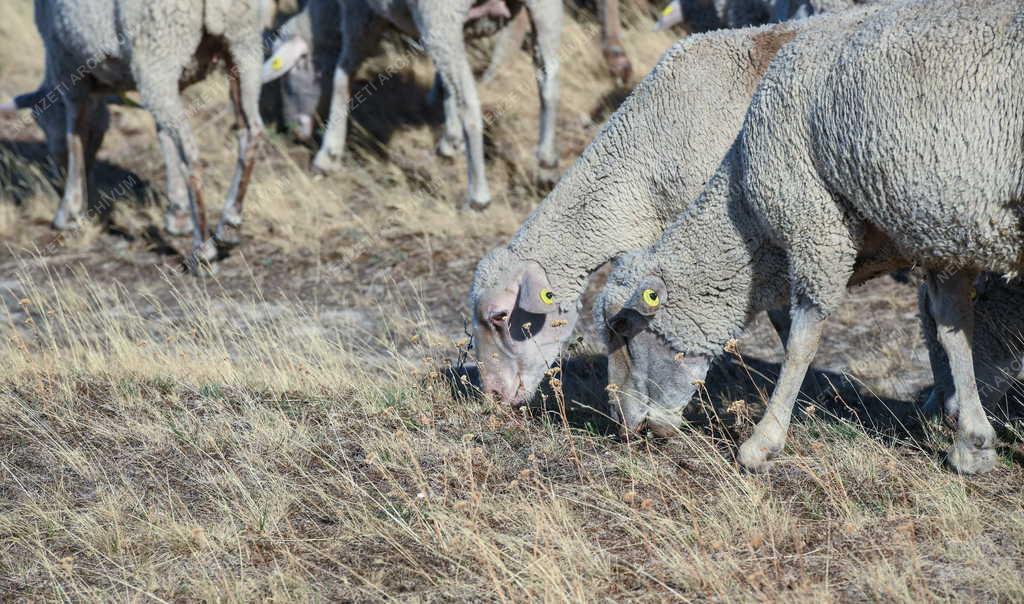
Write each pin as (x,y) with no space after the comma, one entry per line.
(651,298)
(666,11)
(974,293)
(276,63)
(547,296)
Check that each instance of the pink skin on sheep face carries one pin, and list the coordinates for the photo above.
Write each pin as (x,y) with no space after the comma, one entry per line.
(496,9)
(517,334)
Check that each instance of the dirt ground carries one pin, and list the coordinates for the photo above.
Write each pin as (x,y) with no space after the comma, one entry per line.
(301,424)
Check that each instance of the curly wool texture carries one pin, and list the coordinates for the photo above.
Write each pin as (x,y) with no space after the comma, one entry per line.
(886,137)
(649,161)
(998,343)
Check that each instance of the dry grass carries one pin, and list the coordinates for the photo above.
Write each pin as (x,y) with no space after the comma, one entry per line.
(287,429)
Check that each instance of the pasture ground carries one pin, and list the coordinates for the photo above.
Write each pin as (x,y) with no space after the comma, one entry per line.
(298,426)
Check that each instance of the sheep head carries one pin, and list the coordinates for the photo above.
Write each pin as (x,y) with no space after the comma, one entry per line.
(519,325)
(651,377)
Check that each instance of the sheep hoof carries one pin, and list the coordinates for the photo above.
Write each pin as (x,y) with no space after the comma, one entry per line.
(754,455)
(324,163)
(547,174)
(200,260)
(449,148)
(477,204)
(66,221)
(227,235)
(178,222)
(972,454)
(618,64)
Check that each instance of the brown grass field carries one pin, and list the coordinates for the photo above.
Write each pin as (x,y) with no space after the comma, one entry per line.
(301,425)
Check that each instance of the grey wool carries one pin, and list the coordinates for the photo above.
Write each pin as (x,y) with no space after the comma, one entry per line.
(887,137)
(96,48)
(442,26)
(648,162)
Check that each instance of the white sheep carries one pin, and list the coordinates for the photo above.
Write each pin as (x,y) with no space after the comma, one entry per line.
(441,26)
(885,138)
(97,47)
(646,165)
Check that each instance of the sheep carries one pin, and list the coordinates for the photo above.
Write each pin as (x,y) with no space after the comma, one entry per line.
(997,346)
(441,27)
(844,168)
(647,163)
(743,13)
(111,46)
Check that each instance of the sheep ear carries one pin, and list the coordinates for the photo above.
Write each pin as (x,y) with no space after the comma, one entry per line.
(670,15)
(285,56)
(535,293)
(649,296)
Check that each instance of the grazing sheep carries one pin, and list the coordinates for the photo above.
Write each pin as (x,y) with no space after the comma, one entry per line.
(885,138)
(442,26)
(646,165)
(98,47)
(997,346)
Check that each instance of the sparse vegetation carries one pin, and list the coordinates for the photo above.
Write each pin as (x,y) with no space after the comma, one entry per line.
(299,425)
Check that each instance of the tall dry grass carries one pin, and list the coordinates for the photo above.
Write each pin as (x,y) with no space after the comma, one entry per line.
(295,426)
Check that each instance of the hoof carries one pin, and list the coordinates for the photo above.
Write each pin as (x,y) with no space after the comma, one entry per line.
(227,235)
(755,455)
(200,259)
(65,221)
(448,148)
(324,163)
(178,223)
(547,174)
(973,455)
(477,204)
(618,63)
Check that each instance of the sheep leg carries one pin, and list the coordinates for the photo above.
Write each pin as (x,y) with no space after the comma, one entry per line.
(769,435)
(160,95)
(442,37)
(72,201)
(509,40)
(360,32)
(949,300)
(611,40)
(245,93)
(178,218)
(451,141)
(547,27)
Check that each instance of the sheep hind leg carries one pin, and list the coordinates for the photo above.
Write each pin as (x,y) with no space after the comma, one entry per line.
(361,31)
(73,200)
(443,40)
(451,142)
(546,16)
(178,217)
(949,301)
(245,90)
(611,41)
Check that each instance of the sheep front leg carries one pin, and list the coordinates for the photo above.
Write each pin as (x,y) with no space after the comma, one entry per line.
(360,32)
(949,300)
(547,26)
(73,200)
(245,92)
(770,433)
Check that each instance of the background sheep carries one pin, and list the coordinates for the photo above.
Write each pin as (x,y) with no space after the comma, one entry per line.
(649,161)
(441,27)
(103,46)
(834,98)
